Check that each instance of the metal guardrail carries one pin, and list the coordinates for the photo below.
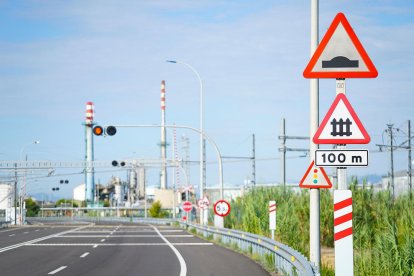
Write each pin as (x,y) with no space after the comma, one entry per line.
(4,224)
(285,259)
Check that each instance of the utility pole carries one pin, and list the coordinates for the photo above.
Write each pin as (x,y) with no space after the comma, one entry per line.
(391,147)
(254,162)
(392,160)
(283,149)
(283,152)
(15,193)
(409,159)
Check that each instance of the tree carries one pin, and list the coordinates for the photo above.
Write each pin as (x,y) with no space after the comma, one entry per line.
(67,202)
(32,207)
(155,210)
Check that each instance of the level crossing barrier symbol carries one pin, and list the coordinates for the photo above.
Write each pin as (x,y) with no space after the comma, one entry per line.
(338,127)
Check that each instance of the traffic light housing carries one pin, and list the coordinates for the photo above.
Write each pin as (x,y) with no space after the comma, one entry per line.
(98,131)
(109,130)
(116,163)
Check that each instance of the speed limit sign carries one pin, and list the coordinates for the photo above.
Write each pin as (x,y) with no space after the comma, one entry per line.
(222,208)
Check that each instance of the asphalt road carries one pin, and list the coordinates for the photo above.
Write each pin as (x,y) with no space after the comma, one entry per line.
(115,249)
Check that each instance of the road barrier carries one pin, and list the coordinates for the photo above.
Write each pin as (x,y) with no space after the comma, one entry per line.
(284,259)
(4,224)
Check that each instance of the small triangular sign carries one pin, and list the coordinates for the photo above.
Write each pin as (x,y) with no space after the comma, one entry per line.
(315,177)
(341,125)
(340,54)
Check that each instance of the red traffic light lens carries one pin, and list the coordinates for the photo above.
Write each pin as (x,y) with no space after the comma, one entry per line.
(98,130)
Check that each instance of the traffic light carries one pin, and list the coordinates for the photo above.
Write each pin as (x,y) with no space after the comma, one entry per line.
(116,163)
(111,130)
(183,196)
(99,131)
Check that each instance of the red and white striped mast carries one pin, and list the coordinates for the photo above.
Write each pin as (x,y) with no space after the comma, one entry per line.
(89,171)
(163,144)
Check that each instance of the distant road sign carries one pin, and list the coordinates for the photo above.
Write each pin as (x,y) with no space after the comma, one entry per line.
(187,206)
(222,208)
(203,203)
(340,54)
(341,158)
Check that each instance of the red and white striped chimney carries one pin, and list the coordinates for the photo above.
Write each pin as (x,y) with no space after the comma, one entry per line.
(90,110)
(163,95)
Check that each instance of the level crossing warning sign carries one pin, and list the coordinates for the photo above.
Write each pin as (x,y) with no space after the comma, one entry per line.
(341,125)
(315,177)
(340,54)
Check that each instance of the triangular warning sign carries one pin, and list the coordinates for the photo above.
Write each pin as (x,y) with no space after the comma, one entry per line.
(341,125)
(315,177)
(340,54)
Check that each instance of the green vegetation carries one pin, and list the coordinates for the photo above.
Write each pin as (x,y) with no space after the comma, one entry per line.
(155,210)
(32,207)
(383,229)
(65,202)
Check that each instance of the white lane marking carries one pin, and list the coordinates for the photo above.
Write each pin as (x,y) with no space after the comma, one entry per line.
(57,270)
(37,230)
(183,266)
(25,232)
(14,246)
(118,244)
(102,240)
(84,254)
(12,235)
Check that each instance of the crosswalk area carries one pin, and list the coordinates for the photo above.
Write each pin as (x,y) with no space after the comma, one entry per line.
(122,235)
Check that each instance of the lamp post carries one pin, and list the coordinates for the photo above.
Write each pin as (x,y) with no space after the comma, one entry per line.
(23,187)
(203,215)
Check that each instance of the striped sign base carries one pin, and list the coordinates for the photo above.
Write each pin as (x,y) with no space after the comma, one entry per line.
(344,253)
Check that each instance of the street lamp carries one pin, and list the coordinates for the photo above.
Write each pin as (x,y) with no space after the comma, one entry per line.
(203,220)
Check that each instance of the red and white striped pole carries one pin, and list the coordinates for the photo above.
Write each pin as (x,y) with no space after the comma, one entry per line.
(89,113)
(344,252)
(272,217)
(90,177)
(163,145)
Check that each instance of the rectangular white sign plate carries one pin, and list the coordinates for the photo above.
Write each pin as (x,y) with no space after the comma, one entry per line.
(341,158)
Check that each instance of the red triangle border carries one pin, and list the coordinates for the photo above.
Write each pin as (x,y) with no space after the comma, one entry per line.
(340,18)
(302,185)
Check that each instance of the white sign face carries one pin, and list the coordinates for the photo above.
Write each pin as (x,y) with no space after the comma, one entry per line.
(222,208)
(341,158)
(340,54)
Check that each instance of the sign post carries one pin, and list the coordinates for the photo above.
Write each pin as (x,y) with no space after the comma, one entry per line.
(272,217)
(340,55)
(343,238)
(221,209)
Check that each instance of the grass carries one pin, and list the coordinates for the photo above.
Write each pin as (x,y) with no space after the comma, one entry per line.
(383,229)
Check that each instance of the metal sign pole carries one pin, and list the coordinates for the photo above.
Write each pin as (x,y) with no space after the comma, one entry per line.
(314,205)
(342,175)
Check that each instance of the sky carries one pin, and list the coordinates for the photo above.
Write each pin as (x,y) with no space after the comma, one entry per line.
(57,55)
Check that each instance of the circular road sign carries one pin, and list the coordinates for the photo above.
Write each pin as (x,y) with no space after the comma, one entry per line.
(222,208)
(187,206)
